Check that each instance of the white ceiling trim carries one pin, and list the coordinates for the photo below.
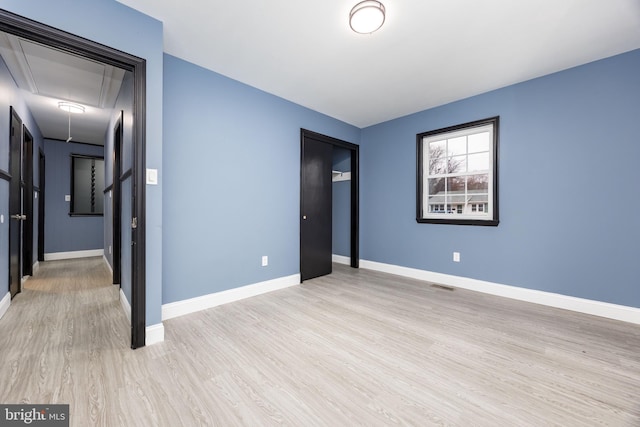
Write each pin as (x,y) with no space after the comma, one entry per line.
(14,58)
(46,71)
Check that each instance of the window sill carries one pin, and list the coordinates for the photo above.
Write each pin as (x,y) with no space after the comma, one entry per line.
(483,222)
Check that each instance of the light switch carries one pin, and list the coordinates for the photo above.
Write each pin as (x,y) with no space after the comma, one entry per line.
(1,219)
(67,198)
(152,176)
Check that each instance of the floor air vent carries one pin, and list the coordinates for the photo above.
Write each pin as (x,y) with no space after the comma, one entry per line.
(443,287)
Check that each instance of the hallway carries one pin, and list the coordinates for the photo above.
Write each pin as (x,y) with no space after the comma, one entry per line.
(64,338)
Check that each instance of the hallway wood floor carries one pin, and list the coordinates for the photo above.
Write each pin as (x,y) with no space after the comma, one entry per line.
(353,348)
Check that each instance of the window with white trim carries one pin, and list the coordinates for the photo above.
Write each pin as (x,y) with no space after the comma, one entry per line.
(457,174)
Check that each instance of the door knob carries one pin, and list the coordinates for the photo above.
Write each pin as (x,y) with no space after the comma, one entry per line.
(19,217)
(304,217)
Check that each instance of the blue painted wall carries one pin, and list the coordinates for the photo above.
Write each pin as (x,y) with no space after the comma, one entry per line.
(341,204)
(568,184)
(10,97)
(231,181)
(140,35)
(66,233)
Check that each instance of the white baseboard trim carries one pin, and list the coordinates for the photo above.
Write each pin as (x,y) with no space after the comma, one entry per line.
(55,256)
(106,261)
(340,259)
(154,334)
(581,305)
(36,267)
(126,307)
(192,305)
(4,304)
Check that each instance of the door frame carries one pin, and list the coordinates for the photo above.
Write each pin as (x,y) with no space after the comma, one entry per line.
(27,201)
(59,39)
(15,186)
(116,201)
(355,186)
(41,204)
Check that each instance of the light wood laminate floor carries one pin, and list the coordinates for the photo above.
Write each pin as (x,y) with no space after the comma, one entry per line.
(353,348)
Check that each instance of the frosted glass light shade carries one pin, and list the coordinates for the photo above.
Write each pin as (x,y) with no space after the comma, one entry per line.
(70,107)
(367,16)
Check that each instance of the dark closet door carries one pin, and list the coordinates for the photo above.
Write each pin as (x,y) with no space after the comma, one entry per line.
(15,212)
(315,219)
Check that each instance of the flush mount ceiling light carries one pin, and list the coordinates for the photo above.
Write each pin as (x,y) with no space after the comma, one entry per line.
(367,16)
(70,107)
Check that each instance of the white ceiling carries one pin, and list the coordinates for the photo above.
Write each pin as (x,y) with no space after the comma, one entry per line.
(428,53)
(46,76)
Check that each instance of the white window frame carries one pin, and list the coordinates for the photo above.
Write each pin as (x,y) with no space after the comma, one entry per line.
(488,216)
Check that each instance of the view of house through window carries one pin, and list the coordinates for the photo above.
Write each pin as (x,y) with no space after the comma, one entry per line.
(457,172)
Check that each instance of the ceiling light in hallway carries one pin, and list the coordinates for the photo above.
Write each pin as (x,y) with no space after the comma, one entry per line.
(367,16)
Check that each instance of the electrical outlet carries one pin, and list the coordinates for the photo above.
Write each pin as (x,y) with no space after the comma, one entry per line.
(456,257)
(109,248)
(265,261)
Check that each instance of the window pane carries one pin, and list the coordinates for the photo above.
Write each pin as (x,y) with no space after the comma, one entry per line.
(437,163)
(437,147)
(82,171)
(479,142)
(455,183)
(99,187)
(436,188)
(437,166)
(436,208)
(87,185)
(478,162)
(457,164)
(457,146)
(478,183)
(476,208)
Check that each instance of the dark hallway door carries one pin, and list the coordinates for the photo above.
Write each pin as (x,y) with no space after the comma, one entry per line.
(15,203)
(41,195)
(116,203)
(27,203)
(316,204)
